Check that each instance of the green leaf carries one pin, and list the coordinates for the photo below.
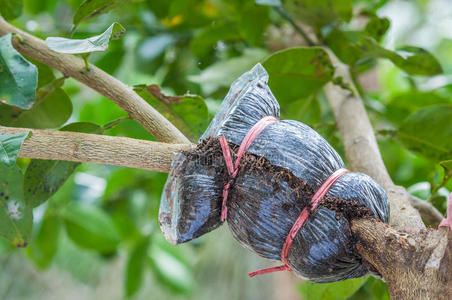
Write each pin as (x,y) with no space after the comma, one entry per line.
(136,266)
(416,61)
(188,113)
(346,45)
(9,147)
(44,245)
(111,60)
(373,289)
(5,247)
(171,270)
(377,27)
(402,105)
(223,73)
(16,219)
(51,109)
(252,22)
(11,9)
(90,227)
(205,41)
(447,166)
(43,178)
(92,44)
(85,127)
(185,14)
(319,13)
(18,76)
(379,289)
(353,46)
(93,8)
(305,110)
(45,73)
(331,291)
(298,72)
(426,132)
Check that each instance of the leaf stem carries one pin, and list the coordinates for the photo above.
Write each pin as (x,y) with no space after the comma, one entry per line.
(447,176)
(356,82)
(113,123)
(85,59)
(19,37)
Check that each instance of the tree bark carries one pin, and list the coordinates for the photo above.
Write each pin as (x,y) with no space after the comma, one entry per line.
(99,149)
(415,266)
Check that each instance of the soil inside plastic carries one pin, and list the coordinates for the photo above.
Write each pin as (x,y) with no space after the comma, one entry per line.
(208,153)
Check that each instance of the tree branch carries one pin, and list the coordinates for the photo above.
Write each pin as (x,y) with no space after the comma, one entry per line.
(416,263)
(428,212)
(415,266)
(98,80)
(99,149)
(361,147)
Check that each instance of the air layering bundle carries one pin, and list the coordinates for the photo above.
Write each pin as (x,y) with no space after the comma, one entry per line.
(281,187)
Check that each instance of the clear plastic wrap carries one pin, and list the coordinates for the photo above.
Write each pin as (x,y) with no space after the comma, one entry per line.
(284,166)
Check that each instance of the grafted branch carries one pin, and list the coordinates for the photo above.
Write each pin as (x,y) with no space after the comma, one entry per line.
(361,147)
(105,84)
(415,262)
(99,149)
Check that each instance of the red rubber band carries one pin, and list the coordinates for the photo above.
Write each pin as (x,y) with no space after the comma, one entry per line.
(233,169)
(269,270)
(301,220)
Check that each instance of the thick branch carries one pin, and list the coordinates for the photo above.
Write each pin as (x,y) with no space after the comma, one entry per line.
(99,149)
(416,263)
(98,80)
(415,266)
(362,150)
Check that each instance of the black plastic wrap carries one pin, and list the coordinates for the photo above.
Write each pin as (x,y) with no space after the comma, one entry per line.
(263,204)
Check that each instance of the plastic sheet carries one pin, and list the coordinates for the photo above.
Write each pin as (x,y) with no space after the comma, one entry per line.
(263,206)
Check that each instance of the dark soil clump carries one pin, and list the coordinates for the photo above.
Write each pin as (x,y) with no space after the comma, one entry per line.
(350,209)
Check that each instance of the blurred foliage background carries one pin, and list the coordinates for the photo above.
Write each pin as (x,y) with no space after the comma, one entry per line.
(95,231)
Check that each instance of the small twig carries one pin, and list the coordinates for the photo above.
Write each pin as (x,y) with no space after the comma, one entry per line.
(300,30)
(428,212)
(19,38)
(85,59)
(99,149)
(357,84)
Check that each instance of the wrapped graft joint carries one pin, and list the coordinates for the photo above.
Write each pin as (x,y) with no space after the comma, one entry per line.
(285,164)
